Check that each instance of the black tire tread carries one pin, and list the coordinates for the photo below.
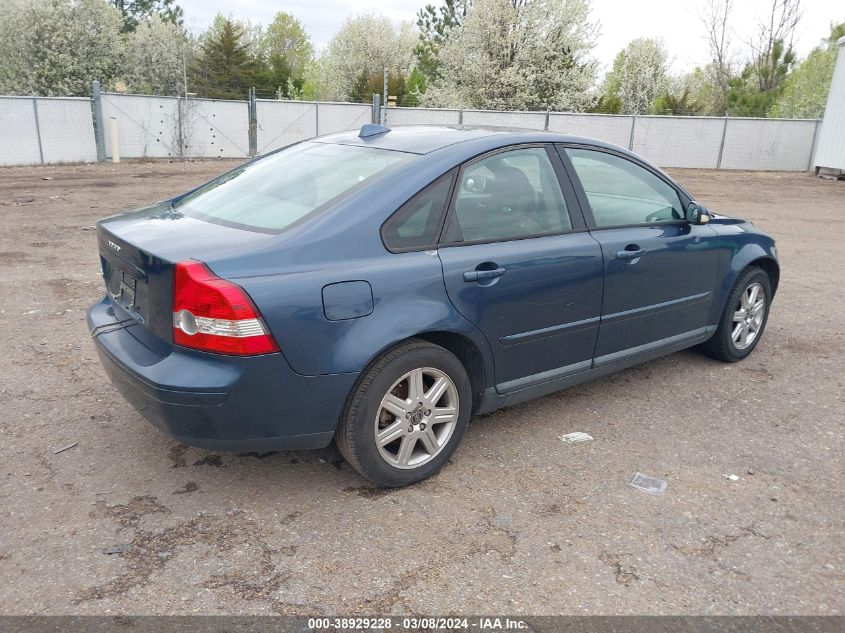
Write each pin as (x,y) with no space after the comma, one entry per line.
(343,439)
(718,346)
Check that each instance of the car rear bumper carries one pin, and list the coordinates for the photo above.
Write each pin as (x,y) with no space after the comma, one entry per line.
(218,402)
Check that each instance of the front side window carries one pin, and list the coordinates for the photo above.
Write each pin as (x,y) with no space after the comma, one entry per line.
(272,193)
(414,226)
(508,195)
(621,192)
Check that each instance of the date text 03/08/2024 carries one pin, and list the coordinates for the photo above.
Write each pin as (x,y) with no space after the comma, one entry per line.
(481,623)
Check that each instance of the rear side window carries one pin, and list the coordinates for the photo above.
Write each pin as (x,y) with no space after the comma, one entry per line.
(621,192)
(272,193)
(414,226)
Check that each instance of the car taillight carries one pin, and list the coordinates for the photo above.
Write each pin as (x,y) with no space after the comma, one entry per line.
(215,315)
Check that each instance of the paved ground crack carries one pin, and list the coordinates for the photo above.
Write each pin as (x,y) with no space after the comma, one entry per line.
(151,551)
(624,575)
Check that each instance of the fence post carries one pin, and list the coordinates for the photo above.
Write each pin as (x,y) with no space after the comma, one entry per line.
(316,118)
(461,116)
(253,123)
(722,144)
(384,112)
(813,145)
(37,127)
(181,113)
(546,126)
(631,140)
(374,117)
(97,116)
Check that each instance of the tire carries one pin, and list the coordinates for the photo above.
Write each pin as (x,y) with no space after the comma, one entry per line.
(724,345)
(417,437)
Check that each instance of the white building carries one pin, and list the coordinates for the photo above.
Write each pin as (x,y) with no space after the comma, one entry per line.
(830,149)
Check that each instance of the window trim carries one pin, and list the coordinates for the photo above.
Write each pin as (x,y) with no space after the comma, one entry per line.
(441,223)
(570,197)
(683,197)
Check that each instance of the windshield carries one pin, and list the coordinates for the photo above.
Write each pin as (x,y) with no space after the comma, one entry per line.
(272,193)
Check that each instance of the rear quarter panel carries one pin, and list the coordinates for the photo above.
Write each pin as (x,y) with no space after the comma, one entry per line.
(409,298)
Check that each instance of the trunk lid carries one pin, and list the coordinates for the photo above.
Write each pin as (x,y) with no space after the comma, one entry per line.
(137,252)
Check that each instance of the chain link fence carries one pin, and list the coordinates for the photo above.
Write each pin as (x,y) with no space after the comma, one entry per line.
(606,127)
(46,130)
(43,130)
(416,116)
(281,123)
(147,127)
(679,141)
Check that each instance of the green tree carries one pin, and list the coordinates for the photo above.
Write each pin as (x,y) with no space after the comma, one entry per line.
(755,90)
(805,90)
(417,83)
(434,25)
(683,104)
(136,11)
(692,94)
(607,104)
(226,68)
(276,76)
(367,84)
(288,52)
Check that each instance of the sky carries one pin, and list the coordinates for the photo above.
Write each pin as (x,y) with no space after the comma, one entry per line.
(676,22)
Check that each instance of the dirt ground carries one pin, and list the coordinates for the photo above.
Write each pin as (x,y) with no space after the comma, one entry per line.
(518,523)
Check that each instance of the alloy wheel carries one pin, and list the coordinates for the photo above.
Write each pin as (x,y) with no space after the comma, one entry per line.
(416,418)
(748,315)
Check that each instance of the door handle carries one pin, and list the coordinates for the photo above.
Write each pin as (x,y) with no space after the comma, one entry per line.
(483,274)
(632,251)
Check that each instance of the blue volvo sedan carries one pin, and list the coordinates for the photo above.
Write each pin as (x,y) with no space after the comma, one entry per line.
(379,288)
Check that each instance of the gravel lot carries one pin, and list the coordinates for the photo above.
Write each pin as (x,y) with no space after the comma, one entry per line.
(518,523)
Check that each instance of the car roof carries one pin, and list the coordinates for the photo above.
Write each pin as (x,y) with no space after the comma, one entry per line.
(466,141)
(424,139)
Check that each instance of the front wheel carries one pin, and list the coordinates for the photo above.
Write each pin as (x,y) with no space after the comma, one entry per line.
(744,318)
(407,415)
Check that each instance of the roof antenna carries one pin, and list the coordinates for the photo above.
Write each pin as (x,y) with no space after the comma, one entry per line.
(372,129)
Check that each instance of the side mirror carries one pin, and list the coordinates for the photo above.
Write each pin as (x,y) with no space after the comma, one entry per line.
(696,214)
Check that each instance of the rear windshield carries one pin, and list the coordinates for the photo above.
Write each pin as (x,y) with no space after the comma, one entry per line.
(272,193)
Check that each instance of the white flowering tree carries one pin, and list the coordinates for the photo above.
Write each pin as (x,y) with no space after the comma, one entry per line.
(156,54)
(56,47)
(639,75)
(357,55)
(518,54)
(14,67)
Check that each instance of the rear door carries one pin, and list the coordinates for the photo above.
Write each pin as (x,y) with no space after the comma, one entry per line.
(519,264)
(660,270)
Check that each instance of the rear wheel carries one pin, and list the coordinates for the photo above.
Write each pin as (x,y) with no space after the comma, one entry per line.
(407,415)
(744,318)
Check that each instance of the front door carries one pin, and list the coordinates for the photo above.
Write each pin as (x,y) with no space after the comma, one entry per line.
(660,271)
(515,267)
